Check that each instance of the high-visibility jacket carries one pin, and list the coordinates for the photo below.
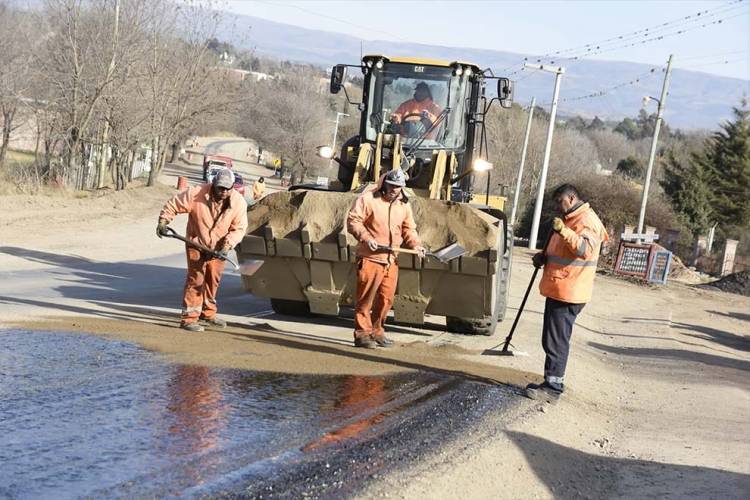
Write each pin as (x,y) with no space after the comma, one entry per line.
(212,224)
(414,107)
(572,255)
(258,189)
(389,223)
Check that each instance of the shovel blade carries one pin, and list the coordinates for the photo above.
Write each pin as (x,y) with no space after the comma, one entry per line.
(448,253)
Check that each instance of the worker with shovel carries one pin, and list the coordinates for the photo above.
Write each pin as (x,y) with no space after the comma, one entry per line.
(217,221)
(569,262)
(380,219)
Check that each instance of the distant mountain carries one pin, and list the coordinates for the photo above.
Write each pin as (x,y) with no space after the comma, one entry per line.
(696,100)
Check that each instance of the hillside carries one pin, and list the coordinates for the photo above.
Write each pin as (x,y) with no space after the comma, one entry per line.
(697,100)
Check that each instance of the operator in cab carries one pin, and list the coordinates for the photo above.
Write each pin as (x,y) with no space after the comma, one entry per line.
(413,117)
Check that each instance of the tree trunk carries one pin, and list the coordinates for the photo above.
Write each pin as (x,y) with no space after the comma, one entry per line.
(153,173)
(102,163)
(7,125)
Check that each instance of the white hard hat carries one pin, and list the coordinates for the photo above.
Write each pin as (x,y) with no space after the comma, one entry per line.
(396,178)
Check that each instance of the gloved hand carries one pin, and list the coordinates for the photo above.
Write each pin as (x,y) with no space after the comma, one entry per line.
(161,228)
(539,259)
(372,245)
(557,224)
(422,251)
(224,252)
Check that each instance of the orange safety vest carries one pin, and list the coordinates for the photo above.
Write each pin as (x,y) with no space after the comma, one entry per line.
(572,255)
(258,189)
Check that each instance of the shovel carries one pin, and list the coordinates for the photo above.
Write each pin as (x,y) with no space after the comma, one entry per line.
(444,255)
(171,233)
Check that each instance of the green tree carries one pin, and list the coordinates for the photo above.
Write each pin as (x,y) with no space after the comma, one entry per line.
(629,128)
(689,188)
(596,124)
(630,167)
(727,157)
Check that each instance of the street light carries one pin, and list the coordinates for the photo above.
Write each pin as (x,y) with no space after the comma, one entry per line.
(654,140)
(558,71)
(339,114)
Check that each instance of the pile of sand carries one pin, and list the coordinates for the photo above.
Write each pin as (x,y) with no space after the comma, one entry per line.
(678,271)
(738,283)
(323,214)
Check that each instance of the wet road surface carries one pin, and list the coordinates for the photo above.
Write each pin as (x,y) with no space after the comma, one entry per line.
(86,416)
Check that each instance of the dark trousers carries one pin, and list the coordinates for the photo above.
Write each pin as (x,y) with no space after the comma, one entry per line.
(558,327)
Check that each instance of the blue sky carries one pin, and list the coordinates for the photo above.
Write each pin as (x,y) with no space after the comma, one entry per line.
(537,27)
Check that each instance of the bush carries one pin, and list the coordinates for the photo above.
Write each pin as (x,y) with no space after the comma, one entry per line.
(615,200)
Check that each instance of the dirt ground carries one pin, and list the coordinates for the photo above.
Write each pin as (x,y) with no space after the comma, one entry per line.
(657,405)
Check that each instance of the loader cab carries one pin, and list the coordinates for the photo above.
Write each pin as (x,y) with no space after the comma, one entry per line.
(391,91)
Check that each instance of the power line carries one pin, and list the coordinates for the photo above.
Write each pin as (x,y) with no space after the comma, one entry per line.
(619,40)
(713,63)
(651,34)
(601,93)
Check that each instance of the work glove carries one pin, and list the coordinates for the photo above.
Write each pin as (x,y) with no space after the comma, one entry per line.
(161,228)
(373,245)
(539,259)
(557,224)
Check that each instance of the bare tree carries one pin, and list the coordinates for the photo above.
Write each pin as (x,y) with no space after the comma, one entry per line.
(16,47)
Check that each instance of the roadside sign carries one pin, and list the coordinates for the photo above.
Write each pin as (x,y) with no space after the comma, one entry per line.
(660,267)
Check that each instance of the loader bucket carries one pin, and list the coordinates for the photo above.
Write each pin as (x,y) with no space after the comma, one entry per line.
(309,259)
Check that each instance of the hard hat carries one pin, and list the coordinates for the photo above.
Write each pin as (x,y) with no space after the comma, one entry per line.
(224,178)
(396,178)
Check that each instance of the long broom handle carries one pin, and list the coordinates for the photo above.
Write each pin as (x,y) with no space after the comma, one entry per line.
(525,296)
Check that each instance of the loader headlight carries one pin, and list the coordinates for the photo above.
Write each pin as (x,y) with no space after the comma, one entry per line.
(469,72)
(379,64)
(369,63)
(481,165)
(458,71)
(325,152)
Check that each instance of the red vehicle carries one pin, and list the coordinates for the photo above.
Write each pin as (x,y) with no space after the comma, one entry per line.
(239,183)
(215,161)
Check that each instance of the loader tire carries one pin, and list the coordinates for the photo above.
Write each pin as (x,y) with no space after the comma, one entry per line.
(469,326)
(290,307)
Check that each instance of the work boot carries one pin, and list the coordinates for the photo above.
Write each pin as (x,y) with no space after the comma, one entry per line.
(192,327)
(383,341)
(216,322)
(543,392)
(365,342)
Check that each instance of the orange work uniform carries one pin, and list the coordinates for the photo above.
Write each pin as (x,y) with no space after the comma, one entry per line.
(216,225)
(412,110)
(572,255)
(258,189)
(389,223)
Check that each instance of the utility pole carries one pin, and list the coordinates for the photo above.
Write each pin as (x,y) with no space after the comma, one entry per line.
(523,161)
(339,114)
(657,126)
(547,148)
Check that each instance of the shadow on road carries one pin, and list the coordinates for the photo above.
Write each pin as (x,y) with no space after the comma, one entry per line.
(150,284)
(607,477)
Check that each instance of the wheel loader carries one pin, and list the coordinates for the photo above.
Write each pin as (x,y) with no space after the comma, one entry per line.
(297,251)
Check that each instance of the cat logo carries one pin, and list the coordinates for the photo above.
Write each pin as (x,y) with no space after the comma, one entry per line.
(419,69)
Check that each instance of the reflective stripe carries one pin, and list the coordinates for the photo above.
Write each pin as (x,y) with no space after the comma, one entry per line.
(582,247)
(570,262)
(555,380)
(189,310)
